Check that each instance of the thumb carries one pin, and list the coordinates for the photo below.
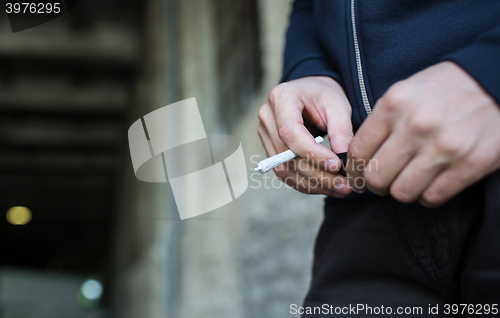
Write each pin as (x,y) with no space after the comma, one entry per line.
(294,134)
(339,129)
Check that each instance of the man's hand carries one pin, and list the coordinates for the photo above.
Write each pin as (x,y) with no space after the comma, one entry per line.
(296,110)
(429,137)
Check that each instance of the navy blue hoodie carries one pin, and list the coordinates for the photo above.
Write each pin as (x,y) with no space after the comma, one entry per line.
(368,45)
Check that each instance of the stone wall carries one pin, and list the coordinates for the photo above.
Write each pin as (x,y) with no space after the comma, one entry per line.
(252,257)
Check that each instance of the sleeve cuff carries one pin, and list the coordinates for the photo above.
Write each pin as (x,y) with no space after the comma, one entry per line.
(482,61)
(311,66)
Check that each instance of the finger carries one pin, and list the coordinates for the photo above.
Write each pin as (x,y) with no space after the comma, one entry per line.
(295,135)
(268,121)
(448,184)
(385,165)
(339,128)
(266,141)
(307,185)
(324,179)
(372,133)
(415,178)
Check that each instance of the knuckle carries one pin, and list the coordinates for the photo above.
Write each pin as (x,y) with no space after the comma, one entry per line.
(354,150)
(448,147)
(374,181)
(432,197)
(311,188)
(309,155)
(276,92)
(420,123)
(344,132)
(262,113)
(401,194)
(302,182)
(395,96)
(315,177)
(285,131)
(327,182)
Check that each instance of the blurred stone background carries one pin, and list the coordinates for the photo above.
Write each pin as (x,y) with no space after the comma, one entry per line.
(69,90)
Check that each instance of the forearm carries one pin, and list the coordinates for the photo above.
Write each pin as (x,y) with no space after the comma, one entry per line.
(304,53)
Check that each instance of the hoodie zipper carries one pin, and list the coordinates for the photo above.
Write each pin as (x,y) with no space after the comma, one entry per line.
(359,66)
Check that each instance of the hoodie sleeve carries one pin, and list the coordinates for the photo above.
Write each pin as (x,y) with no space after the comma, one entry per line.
(304,54)
(481,60)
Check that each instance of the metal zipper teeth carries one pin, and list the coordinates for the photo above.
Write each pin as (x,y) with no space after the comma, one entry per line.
(362,87)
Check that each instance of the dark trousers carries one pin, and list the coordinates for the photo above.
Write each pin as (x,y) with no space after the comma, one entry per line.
(379,252)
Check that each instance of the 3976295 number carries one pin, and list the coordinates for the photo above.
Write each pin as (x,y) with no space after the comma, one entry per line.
(34,8)
(471,309)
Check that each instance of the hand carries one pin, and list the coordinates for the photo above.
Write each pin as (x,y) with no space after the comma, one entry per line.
(428,138)
(295,110)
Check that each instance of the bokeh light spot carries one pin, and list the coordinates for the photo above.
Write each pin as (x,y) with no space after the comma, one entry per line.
(19,215)
(91,289)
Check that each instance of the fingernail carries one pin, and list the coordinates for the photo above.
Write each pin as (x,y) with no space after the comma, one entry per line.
(335,194)
(342,187)
(332,165)
(358,190)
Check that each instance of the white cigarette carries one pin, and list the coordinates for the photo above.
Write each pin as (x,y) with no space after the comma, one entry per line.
(279,159)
